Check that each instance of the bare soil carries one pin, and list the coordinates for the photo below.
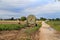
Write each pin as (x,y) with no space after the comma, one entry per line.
(18,35)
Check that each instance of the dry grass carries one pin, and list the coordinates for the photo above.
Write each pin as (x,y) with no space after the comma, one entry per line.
(12,22)
(9,22)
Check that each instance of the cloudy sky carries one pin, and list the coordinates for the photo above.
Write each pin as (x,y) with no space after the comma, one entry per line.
(39,8)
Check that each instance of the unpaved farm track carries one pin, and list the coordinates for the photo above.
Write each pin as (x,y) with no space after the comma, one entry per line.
(48,33)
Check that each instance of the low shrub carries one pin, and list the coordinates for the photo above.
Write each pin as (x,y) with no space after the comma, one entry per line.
(33,29)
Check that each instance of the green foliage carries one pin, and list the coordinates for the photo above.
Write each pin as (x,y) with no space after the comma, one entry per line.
(11,26)
(12,18)
(42,18)
(23,18)
(55,24)
(57,19)
(33,29)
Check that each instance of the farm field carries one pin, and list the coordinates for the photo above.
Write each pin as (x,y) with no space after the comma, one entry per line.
(54,24)
(19,32)
(11,27)
(9,22)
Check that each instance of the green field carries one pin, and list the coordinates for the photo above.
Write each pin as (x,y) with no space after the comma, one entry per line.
(54,24)
(11,26)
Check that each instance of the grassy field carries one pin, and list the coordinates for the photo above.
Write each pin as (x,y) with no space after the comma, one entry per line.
(55,25)
(28,33)
(11,26)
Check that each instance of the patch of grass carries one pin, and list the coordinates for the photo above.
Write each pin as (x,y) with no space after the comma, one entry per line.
(33,29)
(55,24)
(11,27)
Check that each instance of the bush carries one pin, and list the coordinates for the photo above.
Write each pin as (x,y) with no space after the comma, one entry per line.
(33,29)
(23,18)
(43,19)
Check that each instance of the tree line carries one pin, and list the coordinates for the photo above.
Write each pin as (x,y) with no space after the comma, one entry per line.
(23,18)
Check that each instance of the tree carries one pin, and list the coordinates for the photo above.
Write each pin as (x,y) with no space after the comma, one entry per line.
(53,19)
(57,19)
(42,18)
(1,19)
(23,18)
(12,18)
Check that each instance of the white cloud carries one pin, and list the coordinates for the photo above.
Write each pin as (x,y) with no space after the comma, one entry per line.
(4,12)
(17,3)
(46,8)
(7,14)
(49,8)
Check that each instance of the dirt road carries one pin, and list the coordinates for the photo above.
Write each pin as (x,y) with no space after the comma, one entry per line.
(47,33)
